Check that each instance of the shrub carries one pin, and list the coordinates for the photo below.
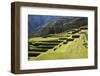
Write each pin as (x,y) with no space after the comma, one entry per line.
(60,45)
(55,49)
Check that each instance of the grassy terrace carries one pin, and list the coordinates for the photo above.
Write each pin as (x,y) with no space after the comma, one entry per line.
(65,45)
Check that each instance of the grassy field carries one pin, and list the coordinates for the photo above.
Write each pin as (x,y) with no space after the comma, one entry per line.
(59,46)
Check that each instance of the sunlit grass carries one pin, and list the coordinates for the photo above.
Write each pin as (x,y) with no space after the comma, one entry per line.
(72,50)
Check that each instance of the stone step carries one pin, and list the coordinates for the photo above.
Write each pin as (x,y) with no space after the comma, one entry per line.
(38,50)
(53,41)
(62,38)
(33,54)
(70,39)
(83,28)
(37,44)
(47,47)
(75,36)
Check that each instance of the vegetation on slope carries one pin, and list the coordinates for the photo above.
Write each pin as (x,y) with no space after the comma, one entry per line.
(70,50)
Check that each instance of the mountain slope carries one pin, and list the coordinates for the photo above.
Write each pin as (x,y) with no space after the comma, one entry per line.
(44,25)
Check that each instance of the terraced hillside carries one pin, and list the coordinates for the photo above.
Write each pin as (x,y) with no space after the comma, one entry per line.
(65,45)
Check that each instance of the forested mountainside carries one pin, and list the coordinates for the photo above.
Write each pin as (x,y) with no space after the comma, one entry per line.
(43,25)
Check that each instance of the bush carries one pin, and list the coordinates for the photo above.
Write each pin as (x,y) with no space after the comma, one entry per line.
(60,45)
(55,49)
(85,44)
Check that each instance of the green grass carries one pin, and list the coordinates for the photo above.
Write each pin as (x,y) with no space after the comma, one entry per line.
(72,50)
(37,39)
